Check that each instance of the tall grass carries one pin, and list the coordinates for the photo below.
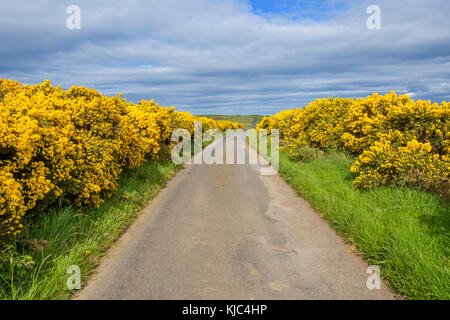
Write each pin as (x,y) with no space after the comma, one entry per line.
(405,231)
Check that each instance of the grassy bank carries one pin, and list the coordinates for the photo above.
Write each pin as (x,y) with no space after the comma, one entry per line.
(404,231)
(70,236)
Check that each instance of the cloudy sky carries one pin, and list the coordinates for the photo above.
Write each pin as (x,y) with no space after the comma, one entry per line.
(230,56)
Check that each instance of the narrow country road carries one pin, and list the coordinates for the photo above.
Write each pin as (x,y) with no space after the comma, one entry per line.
(227,232)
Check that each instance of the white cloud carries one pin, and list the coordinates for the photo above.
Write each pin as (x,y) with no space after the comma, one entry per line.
(211,56)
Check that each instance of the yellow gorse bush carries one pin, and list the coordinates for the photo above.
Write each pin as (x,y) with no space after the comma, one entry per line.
(73,144)
(395,138)
(282,121)
(229,125)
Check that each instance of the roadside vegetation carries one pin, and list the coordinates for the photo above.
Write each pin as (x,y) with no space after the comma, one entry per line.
(37,263)
(378,170)
(403,230)
(76,167)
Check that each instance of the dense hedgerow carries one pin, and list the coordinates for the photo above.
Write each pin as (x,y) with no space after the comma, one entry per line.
(395,138)
(72,145)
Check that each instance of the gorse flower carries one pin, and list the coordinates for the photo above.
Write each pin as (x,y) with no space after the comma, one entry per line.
(395,138)
(73,144)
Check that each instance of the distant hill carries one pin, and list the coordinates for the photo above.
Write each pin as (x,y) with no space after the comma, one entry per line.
(249,121)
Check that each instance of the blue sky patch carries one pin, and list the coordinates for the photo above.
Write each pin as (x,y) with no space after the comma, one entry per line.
(299,9)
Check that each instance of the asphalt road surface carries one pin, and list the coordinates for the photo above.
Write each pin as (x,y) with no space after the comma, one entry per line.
(228,232)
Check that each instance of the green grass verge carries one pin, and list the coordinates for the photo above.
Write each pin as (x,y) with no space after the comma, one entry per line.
(80,236)
(405,231)
(249,121)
